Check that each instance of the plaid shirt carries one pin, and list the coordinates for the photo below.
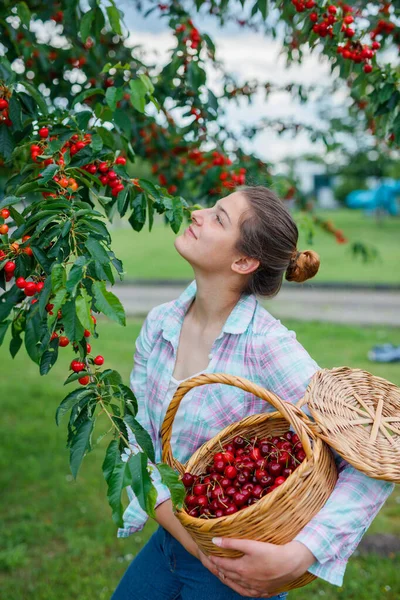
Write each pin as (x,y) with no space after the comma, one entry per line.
(255,345)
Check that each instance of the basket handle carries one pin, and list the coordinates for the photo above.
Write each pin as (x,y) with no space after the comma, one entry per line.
(288,410)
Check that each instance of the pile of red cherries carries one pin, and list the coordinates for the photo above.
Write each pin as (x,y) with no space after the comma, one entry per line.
(240,474)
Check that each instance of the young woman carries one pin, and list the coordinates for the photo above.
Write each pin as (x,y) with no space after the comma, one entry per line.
(240,248)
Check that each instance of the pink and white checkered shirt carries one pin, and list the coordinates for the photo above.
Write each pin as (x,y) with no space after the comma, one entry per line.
(255,345)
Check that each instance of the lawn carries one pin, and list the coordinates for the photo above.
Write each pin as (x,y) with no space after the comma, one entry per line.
(58,538)
(152,255)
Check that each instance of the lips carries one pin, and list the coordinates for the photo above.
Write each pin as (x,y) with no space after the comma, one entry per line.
(192,232)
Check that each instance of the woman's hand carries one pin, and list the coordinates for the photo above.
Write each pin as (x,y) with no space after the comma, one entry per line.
(262,569)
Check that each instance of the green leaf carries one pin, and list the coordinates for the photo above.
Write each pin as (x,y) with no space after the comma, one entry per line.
(48,173)
(138,94)
(97,251)
(83,304)
(87,94)
(86,24)
(113,95)
(114,18)
(32,336)
(14,111)
(116,484)
(111,377)
(96,143)
(107,303)
(9,201)
(58,277)
(79,445)
(15,345)
(57,301)
(111,459)
(142,436)
(141,483)
(130,402)
(72,326)
(171,479)
(37,96)
(24,13)
(69,401)
(49,357)
(7,143)
(147,83)
(75,275)
(107,137)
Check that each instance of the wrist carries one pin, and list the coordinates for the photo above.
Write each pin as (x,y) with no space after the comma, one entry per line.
(300,557)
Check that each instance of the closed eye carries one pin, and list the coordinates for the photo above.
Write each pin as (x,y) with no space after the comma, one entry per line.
(219,220)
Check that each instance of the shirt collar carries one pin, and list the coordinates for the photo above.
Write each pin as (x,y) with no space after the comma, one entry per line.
(237,322)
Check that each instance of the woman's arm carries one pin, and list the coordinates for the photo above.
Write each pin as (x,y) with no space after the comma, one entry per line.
(334,533)
(134,516)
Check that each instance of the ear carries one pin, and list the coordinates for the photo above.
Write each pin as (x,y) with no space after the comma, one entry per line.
(245,265)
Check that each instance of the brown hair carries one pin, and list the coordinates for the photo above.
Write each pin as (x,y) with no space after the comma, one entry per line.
(269,234)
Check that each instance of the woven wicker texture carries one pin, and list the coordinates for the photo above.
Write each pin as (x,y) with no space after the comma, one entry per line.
(359,415)
(278,516)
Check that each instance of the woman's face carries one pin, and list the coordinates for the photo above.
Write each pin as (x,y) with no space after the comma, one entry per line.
(217,231)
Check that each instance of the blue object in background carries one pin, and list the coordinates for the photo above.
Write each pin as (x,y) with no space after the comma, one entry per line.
(382,197)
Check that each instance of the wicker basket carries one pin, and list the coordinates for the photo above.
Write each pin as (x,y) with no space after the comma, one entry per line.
(358,414)
(278,516)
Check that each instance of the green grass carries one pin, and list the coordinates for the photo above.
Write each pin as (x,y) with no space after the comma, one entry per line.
(58,538)
(152,255)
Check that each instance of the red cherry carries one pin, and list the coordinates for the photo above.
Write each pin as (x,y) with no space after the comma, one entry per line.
(9,267)
(279,480)
(225,482)
(367,68)
(187,479)
(5,213)
(194,512)
(84,380)
(3,104)
(286,472)
(232,509)
(86,333)
(260,473)
(44,132)
(202,501)
(120,160)
(39,286)
(103,167)
(54,335)
(219,466)
(300,455)
(191,500)
(239,498)
(99,360)
(274,469)
(30,288)
(64,341)
(257,491)
(199,489)
(77,366)
(238,442)
(230,472)
(20,283)
(267,480)
(88,348)
(80,146)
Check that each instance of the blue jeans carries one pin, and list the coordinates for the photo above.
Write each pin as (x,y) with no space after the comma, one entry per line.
(164,570)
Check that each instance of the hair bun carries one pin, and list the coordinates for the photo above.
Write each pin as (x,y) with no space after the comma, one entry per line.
(303,266)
